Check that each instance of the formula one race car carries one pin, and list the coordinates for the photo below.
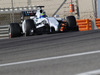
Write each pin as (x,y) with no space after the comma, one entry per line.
(39,23)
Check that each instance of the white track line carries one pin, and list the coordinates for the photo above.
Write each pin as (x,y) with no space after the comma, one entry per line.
(96,72)
(49,58)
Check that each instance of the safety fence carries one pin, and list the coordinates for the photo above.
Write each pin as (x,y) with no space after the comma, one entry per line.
(4,31)
(10,10)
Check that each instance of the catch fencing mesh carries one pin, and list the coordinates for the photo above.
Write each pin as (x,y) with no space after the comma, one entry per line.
(7,16)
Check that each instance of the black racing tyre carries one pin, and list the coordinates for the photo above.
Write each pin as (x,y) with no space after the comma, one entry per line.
(46,28)
(30,27)
(52,30)
(14,30)
(72,24)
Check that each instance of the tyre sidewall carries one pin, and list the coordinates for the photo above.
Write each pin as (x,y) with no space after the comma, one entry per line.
(29,25)
(14,30)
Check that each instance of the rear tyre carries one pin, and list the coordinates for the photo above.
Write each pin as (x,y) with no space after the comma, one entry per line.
(30,27)
(71,23)
(14,30)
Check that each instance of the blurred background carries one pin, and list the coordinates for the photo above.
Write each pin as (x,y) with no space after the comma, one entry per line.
(10,10)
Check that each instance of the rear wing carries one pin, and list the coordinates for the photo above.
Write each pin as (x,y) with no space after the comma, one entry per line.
(31,12)
(39,7)
(28,13)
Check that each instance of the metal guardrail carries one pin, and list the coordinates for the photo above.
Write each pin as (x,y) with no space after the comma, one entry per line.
(18,9)
(4,31)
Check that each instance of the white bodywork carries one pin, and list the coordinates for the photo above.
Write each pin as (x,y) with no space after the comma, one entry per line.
(23,26)
(49,20)
(53,23)
(40,22)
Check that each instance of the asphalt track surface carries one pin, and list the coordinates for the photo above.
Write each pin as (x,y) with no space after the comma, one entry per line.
(43,54)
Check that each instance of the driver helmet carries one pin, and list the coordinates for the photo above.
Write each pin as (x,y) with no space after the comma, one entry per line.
(42,15)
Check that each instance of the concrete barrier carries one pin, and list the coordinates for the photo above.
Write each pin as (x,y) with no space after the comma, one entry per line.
(84,24)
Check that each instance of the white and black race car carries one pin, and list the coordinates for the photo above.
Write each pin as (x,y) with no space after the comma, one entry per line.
(39,23)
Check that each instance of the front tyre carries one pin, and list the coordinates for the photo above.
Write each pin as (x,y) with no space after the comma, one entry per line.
(30,27)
